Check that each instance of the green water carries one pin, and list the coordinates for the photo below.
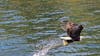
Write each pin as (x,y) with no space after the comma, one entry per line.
(28,25)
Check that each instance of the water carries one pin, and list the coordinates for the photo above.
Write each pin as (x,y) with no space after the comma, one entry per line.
(55,43)
(52,44)
(27,27)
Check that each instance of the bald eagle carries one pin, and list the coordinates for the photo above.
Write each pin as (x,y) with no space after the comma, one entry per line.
(73,30)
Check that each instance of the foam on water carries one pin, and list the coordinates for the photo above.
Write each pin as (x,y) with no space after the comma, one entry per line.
(50,45)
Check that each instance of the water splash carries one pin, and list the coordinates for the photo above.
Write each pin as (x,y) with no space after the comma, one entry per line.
(52,44)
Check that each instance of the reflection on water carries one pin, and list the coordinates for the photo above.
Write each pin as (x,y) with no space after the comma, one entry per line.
(27,26)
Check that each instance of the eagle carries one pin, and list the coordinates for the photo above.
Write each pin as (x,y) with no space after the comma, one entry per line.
(73,30)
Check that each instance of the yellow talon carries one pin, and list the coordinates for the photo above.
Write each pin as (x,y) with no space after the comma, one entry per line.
(65,42)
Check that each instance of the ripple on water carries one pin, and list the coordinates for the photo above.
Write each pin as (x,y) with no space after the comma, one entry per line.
(97,12)
(95,27)
(40,20)
(7,14)
(12,21)
(13,44)
(8,11)
(45,33)
(2,30)
(56,12)
(74,50)
(21,25)
(65,18)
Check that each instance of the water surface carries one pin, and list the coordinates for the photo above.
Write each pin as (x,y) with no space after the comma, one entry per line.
(26,26)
